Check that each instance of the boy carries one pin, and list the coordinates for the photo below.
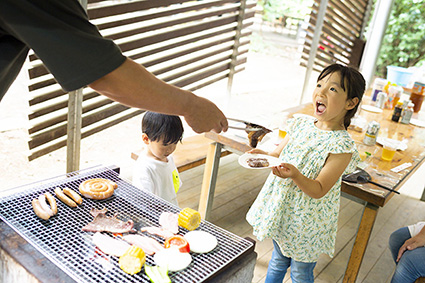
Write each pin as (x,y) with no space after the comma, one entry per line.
(155,170)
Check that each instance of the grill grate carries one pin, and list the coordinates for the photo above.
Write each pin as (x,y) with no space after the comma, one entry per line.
(62,241)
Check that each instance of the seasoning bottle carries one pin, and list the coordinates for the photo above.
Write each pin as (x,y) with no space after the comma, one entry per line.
(397,111)
(382,98)
(371,133)
(407,113)
(378,86)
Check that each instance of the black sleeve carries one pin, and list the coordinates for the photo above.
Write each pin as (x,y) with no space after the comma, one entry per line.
(62,37)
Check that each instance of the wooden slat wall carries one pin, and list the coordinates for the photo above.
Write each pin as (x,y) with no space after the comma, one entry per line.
(185,43)
(341,33)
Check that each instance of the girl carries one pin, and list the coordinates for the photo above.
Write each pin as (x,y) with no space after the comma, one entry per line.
(299,203)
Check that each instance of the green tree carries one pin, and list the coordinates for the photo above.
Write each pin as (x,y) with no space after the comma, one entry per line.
(404,41)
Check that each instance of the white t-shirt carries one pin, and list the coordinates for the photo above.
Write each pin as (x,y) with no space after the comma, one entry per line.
(415,228)
(158,177)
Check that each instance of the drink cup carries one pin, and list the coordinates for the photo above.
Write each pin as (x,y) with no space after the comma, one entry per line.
(388,151)
(282,133)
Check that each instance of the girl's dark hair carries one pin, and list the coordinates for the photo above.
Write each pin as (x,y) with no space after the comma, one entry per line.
(158,126)
(352,82)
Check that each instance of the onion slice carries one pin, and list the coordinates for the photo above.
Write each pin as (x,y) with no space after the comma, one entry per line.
(172,259)
(201,241)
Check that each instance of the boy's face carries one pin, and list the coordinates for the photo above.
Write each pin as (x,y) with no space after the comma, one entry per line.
(157,149)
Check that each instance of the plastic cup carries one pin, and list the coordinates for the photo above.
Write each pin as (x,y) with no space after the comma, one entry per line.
(388,151)
(282,133)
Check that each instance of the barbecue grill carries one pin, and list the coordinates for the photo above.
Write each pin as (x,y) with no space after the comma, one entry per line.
(62,241)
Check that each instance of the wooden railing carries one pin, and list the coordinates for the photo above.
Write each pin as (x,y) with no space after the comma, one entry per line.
(189,44)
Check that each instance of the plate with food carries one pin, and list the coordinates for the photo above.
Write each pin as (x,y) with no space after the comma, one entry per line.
(258,161)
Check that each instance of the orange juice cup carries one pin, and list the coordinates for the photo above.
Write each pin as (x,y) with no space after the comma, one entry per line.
(282,134)
(388,152)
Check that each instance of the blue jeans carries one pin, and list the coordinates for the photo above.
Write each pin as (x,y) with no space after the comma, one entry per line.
(412,263)
(301,272)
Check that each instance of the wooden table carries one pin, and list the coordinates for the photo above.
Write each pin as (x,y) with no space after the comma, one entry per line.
(371,196)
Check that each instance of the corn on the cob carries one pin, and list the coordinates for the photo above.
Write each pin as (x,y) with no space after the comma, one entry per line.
(189,219)
(132,260)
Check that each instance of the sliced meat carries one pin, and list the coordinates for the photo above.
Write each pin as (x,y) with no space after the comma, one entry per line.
(256,136)
(169,221)
(148,245)
(109,245)
(161,232)
(258,162)
(103,223)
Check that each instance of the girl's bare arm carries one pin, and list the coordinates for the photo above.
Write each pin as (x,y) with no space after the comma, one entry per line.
(316,188)
(276,152)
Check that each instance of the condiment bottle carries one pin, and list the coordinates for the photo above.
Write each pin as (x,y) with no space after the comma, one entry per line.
(397,112)
(378,86)
(407,114)
(382,98)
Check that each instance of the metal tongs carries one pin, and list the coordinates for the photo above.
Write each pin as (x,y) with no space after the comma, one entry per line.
(250,127)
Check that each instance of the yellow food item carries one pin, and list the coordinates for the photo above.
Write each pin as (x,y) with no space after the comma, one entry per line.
(132,260)
(189,219)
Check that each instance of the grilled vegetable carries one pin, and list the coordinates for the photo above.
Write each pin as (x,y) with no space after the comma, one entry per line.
(157,274)
(189,219)
(132,260)
(177,241)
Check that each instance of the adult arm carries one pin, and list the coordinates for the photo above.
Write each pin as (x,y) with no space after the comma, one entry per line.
(412,243)
(328,176)
(131,84)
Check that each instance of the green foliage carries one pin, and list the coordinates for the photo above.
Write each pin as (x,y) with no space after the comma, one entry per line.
(274,9)
(404,41)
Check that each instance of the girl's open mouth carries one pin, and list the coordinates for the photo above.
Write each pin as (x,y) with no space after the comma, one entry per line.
(320,107)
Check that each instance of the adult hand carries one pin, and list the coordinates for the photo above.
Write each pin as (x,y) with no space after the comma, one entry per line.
(285,170)
(411,244)
(202,116)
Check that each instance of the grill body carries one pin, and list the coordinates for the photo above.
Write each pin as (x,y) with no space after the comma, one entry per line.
(61,240)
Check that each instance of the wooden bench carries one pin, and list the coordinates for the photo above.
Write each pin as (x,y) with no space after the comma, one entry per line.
(190,153)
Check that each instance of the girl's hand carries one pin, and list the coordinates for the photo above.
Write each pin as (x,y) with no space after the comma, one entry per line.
(411,244)
(257,151)
(285,170)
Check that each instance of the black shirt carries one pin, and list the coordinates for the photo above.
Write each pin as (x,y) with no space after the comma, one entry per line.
(61,36)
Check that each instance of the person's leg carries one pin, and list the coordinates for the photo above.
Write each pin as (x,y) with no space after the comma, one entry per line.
(397,239)
(302,272)
(410,267)
(278,265)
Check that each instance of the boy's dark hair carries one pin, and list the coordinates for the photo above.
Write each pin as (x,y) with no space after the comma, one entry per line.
(158,126)
(352,82)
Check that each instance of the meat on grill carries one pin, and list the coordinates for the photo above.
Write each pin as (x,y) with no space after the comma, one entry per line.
(103,223)
(148,245)
(256,136)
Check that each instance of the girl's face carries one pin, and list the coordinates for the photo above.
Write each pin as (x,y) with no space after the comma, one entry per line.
(157,149)
(330,103)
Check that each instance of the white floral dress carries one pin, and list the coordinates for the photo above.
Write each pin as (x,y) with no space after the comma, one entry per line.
(303,227)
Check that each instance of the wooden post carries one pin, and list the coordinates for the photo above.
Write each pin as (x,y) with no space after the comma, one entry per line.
(75,101)
(209,179)
(233,60)
(362,238)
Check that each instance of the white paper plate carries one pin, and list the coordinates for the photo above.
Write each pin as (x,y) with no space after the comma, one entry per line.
(417,122)
(273,161)
(371,108)
(400,145)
